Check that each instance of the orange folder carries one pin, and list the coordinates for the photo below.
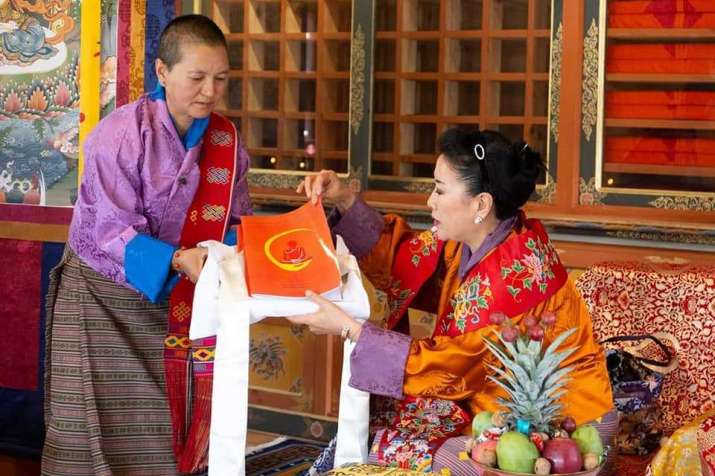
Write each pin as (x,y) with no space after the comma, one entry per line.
(290,253)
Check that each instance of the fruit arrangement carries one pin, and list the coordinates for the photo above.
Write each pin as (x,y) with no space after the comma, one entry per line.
(531,436)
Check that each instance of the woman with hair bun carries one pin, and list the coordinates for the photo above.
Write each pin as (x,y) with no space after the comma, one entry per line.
(482,257)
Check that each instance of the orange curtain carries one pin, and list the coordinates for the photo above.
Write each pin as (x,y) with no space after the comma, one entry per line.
(661,151)
(672,105)
(680,58)
(661,14)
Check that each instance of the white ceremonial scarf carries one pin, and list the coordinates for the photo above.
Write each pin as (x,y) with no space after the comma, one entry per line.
(222,307)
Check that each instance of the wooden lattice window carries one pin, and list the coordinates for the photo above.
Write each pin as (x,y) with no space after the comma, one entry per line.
(289,82)
(444,63)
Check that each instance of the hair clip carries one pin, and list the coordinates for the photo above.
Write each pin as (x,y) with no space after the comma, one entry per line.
(479,151)
(526,144)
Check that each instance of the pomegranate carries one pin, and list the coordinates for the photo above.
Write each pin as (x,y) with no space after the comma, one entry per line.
(563,454)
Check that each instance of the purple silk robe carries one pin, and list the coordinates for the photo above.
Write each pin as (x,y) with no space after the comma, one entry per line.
(139,178)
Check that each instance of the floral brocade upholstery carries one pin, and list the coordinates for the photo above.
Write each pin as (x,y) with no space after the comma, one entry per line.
(636,298)
(364,469)
(631,298)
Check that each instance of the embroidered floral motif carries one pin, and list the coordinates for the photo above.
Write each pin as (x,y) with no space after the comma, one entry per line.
(421,424)
(689,450)
(706,441)
(401,451)
(421,245)
(443,383)
(266,356)
(532,269)
(474,294)
(432,418)
(667,298)
(396,296)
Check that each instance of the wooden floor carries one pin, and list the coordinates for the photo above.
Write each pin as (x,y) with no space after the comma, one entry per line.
(28,467)
(256,438)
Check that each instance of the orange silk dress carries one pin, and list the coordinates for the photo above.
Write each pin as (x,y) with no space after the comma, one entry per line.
(521,276)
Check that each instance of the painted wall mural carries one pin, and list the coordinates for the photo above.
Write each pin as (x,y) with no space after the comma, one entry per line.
(39,101)
(39,96)
(108,59)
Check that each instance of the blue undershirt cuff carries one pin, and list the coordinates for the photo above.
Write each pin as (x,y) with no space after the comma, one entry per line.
(147,267)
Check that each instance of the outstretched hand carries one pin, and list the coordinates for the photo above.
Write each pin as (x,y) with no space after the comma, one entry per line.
(326,184)
(328,319)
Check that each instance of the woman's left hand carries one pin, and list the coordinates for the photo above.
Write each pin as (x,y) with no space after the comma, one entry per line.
(190,262)
(328,319)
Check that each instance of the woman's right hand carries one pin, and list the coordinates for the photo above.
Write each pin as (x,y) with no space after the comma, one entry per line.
(328,319)
(189,262)
(327,184)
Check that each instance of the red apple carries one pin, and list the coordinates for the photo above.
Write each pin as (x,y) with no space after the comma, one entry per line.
(564,455)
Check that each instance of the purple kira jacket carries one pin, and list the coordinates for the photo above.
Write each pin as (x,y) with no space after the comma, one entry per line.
(139,180)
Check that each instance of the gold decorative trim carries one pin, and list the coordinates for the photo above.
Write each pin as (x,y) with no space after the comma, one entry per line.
(687,238)
(676,260)
(357,79)
(274,180)
(589,93)
(588,194)
(547,193)
(419,187)
(555,101)
(291,181)
(684,203)
(353,179)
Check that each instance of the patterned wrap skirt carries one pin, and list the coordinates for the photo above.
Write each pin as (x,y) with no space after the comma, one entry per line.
(106,410)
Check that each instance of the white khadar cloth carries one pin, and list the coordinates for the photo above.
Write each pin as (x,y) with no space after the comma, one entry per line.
(222,307)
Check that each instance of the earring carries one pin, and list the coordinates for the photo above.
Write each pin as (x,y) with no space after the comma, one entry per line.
(478,220)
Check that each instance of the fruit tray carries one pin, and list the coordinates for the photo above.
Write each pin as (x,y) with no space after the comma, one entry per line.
(487,471)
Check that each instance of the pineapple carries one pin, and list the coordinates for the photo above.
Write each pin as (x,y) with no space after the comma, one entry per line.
(530,376)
